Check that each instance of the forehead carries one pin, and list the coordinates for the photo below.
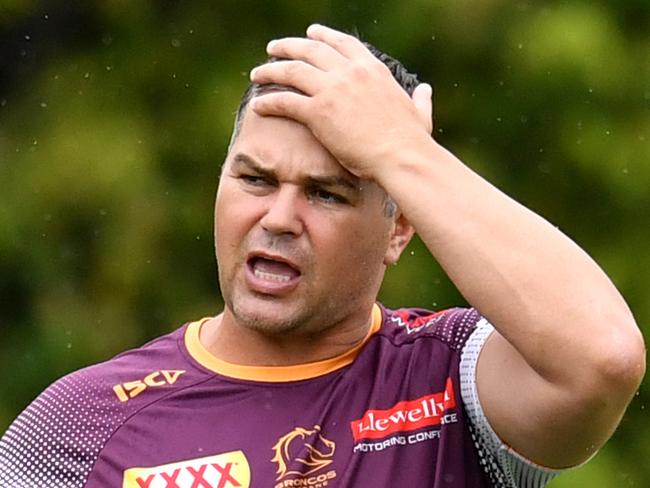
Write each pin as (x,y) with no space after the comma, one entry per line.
(284,146)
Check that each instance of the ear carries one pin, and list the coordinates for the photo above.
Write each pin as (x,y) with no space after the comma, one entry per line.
(401,234)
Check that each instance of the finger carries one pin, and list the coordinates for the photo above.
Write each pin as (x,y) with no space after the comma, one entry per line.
(349,46)
(423,99)
(296,74)
(316,53)
(281,104)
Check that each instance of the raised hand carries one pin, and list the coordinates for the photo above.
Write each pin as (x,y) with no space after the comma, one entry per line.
(349,99)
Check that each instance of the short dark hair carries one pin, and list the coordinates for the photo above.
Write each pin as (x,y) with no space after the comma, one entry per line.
(408,81)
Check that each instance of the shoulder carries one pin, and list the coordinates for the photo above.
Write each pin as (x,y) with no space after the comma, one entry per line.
(450,327)
(56,439)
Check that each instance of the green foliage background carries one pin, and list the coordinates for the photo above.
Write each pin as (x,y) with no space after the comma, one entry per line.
(115,116)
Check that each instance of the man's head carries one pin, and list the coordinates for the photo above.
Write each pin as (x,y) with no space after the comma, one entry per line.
(408,81)
(302,244)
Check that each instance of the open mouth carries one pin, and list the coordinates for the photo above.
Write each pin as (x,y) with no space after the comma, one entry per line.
(272,270)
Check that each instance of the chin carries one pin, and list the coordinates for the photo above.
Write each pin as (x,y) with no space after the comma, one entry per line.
(267,321)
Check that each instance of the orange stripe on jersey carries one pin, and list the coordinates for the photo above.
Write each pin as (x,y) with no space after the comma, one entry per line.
(276,374)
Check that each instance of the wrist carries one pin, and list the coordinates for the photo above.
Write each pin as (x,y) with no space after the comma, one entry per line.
(414,157)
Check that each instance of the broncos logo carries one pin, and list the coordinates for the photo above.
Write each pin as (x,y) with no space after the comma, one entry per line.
(302,452)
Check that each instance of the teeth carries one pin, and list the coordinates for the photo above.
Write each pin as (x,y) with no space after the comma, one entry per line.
(271,276)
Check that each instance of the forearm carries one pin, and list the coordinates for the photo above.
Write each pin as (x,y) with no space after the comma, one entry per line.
(543,293)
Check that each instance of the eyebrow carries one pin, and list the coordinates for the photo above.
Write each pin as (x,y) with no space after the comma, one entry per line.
(350,182)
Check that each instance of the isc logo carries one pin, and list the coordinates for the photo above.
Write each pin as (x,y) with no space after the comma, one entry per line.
(131,389)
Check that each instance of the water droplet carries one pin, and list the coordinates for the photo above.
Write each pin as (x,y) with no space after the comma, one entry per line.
(625,171)
(102,212)
(46,17)
(191,31)
(523,119)
(43,104)
(433,38)
(520,45)
(412,253)
(28,38)
(579,141)
(86,75)
(455,84)
(35,142)
(187,85)
(607,132)
(176,43)
(499,119)
(68,345)
(198,238)
(109,67)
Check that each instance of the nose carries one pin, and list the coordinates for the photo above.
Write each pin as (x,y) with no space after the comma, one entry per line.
(283,212)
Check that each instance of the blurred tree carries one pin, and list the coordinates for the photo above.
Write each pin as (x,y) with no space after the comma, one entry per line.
(115,117)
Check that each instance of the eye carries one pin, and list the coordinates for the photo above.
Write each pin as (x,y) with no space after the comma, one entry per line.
(253,180)
(326,196)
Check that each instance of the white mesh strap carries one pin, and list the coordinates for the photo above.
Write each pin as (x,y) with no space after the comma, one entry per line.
(502,464)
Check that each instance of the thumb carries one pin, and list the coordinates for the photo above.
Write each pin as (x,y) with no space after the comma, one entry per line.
(422,98)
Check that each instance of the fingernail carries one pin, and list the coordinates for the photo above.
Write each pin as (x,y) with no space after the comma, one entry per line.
(271,44)
(312,27)
(252,73)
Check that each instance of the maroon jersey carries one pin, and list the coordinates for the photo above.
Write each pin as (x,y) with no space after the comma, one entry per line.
(170,415)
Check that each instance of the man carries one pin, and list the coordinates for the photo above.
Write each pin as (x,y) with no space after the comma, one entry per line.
(304,380)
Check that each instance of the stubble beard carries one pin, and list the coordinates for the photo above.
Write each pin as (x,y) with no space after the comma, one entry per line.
(307,315)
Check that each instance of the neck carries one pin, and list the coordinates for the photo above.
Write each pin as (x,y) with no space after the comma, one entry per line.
(235,343)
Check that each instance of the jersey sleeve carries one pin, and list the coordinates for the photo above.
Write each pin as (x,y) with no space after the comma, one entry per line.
(55,441)
(504,466)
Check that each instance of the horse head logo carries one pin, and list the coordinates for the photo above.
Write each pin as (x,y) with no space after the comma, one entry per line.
(302,452)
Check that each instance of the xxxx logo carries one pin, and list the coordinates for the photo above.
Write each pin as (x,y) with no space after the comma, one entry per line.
(131,389)
(226,470)
(300,455)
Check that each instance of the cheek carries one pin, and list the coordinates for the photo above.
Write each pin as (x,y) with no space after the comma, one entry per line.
(356,245)
(229,227)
